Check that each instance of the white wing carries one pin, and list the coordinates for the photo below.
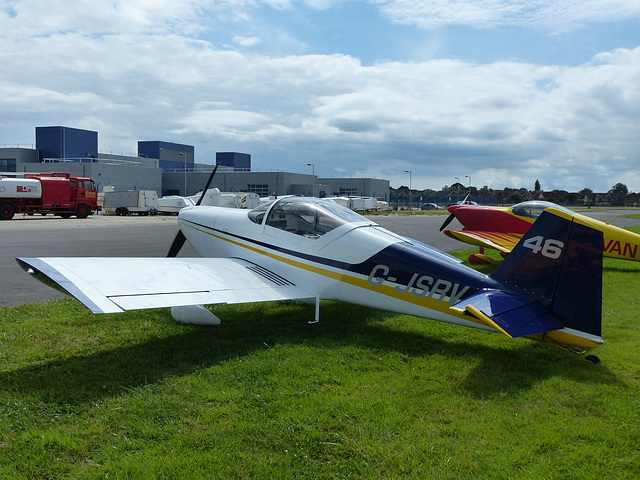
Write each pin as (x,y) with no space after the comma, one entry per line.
(111,285)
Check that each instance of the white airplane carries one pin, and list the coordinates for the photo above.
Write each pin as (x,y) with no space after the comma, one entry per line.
(548,289)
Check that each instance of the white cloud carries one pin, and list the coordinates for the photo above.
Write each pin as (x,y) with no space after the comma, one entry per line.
(147,78)
(247,41)
(42,17)
(288,4)
(548,15)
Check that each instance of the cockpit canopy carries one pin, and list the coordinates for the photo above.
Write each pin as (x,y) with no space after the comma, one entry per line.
(309,217)
(533,209)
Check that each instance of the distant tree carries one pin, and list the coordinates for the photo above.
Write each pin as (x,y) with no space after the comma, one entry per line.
(537,186)
(515,197)
(587,196)
(618,192)
(619,188)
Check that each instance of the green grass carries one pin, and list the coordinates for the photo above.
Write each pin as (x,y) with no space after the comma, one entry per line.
(363,394)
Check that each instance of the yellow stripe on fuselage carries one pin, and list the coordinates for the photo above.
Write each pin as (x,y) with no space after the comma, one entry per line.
(387,290)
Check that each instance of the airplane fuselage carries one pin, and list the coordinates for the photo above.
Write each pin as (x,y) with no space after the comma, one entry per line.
(373,266)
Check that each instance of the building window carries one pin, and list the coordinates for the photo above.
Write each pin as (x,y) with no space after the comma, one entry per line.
(348,192)
(261,189)
(7,164)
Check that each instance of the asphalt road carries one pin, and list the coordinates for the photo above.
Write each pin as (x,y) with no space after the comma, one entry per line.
(110,236)
(96,236)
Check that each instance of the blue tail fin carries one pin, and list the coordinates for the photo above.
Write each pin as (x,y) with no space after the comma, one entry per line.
(559,262)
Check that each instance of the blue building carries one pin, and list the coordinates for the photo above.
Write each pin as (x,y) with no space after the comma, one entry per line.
(168,168)
(172,156)
(238,161)
(64,143)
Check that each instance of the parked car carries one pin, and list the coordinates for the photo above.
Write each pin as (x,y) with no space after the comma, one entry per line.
(463,202)
(429,206)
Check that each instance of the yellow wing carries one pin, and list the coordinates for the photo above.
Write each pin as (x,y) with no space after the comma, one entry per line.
(499,241)
(618,242)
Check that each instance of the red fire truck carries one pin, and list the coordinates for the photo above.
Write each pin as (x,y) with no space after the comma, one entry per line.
(43,193)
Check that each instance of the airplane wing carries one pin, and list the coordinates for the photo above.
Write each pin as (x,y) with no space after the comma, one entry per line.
(111,285)
(499,241)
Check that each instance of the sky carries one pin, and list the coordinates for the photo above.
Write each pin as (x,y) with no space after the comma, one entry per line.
(496,93)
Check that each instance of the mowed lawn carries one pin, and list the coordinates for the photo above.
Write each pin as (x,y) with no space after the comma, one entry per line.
(363,394)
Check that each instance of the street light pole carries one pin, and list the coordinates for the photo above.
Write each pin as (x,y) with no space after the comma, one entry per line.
(313,173)
(185,172)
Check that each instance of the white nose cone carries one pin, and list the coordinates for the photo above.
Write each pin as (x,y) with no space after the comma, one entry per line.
(194,315)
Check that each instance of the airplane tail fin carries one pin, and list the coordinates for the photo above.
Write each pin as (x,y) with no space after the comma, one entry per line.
(559,262)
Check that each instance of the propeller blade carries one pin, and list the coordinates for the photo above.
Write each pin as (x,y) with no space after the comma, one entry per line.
(178,241)
(448,221)
(177,244)
(465,198)
(207,185)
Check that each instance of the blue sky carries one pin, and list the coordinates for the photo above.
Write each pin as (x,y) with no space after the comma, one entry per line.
(500,91)
(362,30)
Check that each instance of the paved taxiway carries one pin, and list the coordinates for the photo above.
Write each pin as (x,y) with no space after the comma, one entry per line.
(111,236)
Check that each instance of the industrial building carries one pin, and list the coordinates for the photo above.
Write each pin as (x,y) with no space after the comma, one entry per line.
(169,168)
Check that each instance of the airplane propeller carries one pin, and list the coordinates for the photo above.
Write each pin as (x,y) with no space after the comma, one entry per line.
(452,215)
(449,219)
(179,239)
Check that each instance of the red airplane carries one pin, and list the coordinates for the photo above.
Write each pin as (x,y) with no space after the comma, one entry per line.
(501,228)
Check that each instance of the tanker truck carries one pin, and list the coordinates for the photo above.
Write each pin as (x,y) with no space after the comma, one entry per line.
(44,193)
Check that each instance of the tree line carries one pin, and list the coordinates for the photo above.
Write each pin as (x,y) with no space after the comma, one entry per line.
(617,195)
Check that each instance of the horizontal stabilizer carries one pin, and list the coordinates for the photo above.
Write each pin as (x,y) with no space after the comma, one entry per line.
(510,314)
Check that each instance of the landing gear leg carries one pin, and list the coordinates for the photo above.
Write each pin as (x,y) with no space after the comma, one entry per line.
(582,354)
(317,317)
(577,351)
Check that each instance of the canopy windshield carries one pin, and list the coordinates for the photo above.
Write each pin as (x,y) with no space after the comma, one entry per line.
(309,217)
(533,209)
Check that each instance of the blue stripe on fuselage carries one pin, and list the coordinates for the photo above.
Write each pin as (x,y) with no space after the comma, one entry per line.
(420,272)
(413,268)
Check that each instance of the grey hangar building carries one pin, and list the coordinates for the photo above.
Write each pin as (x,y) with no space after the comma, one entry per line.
(170,168)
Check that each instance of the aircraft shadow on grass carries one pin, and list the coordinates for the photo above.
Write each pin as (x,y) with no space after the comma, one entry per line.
(89,378)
